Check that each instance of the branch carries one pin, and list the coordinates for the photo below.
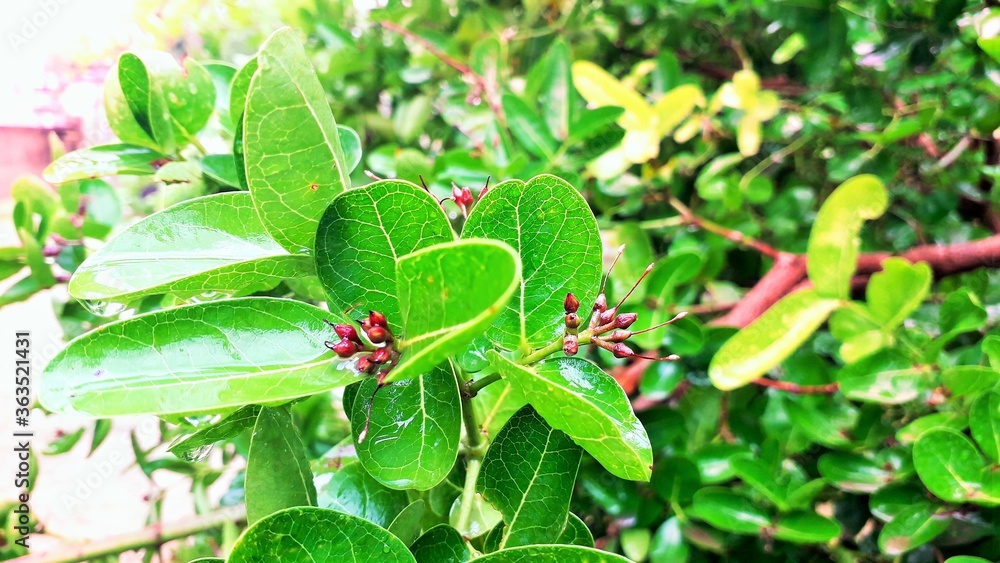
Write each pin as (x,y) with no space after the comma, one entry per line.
(689,218)
(943,259)
(153,536)
(787,272)
(828,389)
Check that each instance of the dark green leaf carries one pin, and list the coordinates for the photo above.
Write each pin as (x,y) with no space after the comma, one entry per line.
(806,527)
(529,128)
(984,422)
(278,475)
(729,511)
(353,491)
(406,526)
(441,544)
(948,464)
(914,526)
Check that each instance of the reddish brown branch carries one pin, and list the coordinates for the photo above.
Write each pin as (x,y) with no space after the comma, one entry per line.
(828,389)
(943,259)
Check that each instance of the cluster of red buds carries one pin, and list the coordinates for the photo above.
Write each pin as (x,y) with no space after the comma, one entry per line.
(608,328)
(380,354)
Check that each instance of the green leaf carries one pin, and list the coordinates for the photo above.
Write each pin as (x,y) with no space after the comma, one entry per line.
(729,511)
(350,143)
(354,491)
(887,378)
(591,122)
(292,177)
(668,543)
(104,160)
(406,526)
(551,226)
(227,428)
(277,474)
(576,532)
(984,422)
(239,88)
(832,256)
(853,473)
(828,423)
(897,290)
(145,99)
(675,479)
(767,341)
(949,464)
(414,429)
(761,477)
(212,245)
(961,312)
(450,293)
(236,352)
(64,443)
(529,128)
(579,398)
(552,554)
(528,474)
(222,169)
(316,534)
(914,526)
(556,89)
(441,544)
(363,235)
(914,430)
(966,380)
(806,527)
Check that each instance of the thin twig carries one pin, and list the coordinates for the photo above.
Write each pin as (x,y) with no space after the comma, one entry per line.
(827,389)
(690,218)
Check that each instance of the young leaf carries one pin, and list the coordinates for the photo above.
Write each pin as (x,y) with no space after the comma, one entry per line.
(984,422)
(551,226)
(235,352)
(213,243)
(833,242)
(354,491)
(528,474)
(363,235)
(579,398)
(441,544)
(529,128)
(600,88)
(317,534)
(556,89)
(770,339)
(229,427)
(729,511)
(414,429)
(914,526)
(292,177)
(450,293)
(948,464)
(552,554)
(278,474)
(104,160)
(897,290)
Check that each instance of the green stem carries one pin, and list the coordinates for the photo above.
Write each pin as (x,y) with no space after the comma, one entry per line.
(472,388)
(552,348)
(468,493)
(474,458)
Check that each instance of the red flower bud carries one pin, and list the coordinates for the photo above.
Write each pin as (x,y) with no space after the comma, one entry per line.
(571,345)
(346,331)
(607,316)
(601,303)
(377,319)
(572,321)
(382,355)
(345,348)
(625,320)
(366,365)
(377,334)
(465,198)
(571,304)
(622,351)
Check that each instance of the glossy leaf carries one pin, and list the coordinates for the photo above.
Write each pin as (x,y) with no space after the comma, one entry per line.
(552,554)
(229,427)
(897,290)
(317,534)
(292,177)
(576,532)
(239,88)
(806,527)
(413,435)
(767,341)
(222,169)
(887,377)
(441,544)
(729,511)
(984,422)
(668,544)
(104,160)
(914,526)
(277,474)
(353,491)
(529,128)
(450,293)
(528,474)
(853,472)
(579,398)
(236,352)
(550,225)
(205,246)
(363,235)
(406,525)
(834,240)
(948,464)
(966,380)
(762,478)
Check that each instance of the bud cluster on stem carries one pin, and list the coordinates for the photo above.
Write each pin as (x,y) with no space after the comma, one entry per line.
(380,354)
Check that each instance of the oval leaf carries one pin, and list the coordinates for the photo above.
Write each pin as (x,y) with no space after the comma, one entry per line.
(353,491)
(234,353)
(551,226)
(277,474)
(914,526)
(832,256)
(984,422)
(948,464)
(292,177)
(579,398)
(448,294)
(766,342)
(363,235)
(729,511)
(806,527)
(441,544)
(414,429)
(317,534)
(214,243)
(552,554)
(104,160)
(528,475)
